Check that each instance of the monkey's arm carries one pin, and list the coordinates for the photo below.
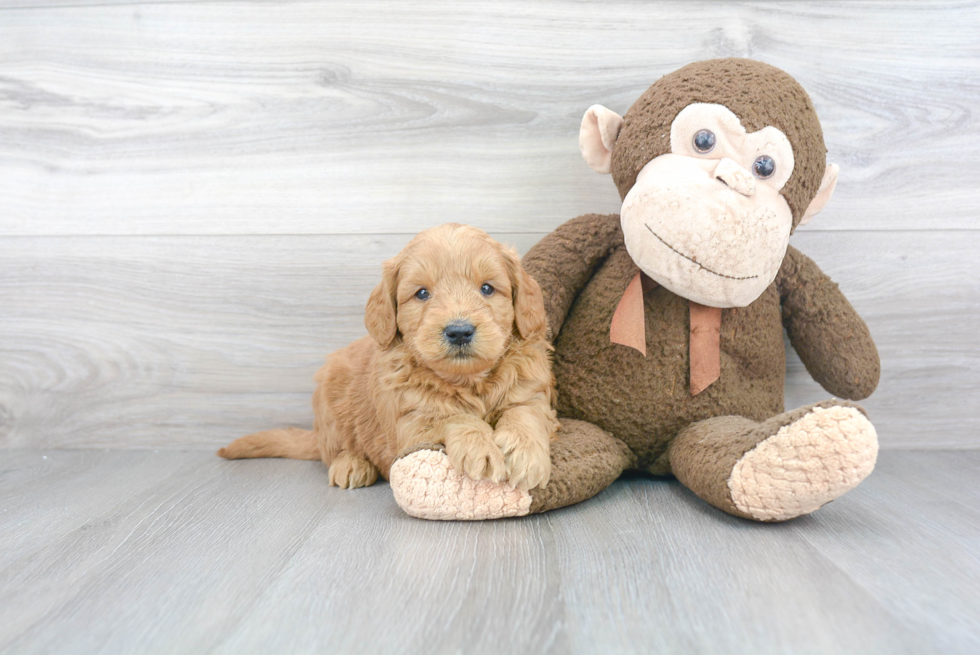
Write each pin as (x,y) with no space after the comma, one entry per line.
(563,261)
(829,336)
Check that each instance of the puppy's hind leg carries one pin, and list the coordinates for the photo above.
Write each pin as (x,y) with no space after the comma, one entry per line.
(349,471)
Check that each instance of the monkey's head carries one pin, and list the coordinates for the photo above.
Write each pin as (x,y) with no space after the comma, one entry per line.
(717,163)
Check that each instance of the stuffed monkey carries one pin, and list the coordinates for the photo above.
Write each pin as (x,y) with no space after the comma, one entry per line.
(668,318)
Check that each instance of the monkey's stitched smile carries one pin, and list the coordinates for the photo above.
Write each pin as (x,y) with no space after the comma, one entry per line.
(703,267)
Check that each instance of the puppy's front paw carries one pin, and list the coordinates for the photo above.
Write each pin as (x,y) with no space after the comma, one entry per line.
(528,462)
(472,451)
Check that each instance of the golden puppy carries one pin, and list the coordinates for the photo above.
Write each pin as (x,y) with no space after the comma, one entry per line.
(458,356)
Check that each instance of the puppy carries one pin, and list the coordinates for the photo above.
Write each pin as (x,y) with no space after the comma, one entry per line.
(457,356)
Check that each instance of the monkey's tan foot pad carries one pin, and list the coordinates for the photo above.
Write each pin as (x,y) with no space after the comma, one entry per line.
(806,464)
(426,486)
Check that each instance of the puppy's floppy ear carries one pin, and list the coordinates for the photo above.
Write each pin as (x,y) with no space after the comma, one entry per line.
(529,314)
(380,316)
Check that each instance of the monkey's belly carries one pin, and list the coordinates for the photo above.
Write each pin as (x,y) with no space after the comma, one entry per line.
(646,401)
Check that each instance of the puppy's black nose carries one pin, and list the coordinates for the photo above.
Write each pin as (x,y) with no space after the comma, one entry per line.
(459,333)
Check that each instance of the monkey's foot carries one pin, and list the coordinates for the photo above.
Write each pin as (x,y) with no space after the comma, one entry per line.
(584,461)
(806,464)
(427,486)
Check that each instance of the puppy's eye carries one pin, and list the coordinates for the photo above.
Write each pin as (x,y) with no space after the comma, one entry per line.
(704,141)
(422,294)
(487,290)
(764,167)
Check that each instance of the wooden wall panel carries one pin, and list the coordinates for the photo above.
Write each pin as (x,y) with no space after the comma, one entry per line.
(195,196)
(185,342)
(381,116)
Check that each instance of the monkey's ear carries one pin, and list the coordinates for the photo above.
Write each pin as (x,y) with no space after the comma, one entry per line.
(597,136)
(827,186)
(380,315)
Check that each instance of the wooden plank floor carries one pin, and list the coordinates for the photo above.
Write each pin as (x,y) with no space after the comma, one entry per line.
(165,552)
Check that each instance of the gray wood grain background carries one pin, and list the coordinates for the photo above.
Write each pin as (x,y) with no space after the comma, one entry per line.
(195,197)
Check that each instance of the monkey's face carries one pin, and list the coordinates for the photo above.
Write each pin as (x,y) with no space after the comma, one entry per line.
(716,163)
(706,220)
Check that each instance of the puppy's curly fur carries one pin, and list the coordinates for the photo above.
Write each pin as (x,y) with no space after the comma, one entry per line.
(487,396)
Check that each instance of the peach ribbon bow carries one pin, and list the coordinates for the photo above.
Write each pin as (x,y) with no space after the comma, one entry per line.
(628,328)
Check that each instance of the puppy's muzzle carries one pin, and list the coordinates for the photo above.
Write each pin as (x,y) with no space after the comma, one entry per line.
(459,333)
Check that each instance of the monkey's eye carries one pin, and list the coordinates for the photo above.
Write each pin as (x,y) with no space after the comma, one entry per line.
(704,141)
(422,294)
(487,290)
(763,167)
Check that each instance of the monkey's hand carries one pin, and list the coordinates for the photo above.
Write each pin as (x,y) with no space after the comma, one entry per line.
(829,336)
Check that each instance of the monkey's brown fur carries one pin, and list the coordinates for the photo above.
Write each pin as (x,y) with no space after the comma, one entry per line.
(646,401)
(731,444)
(583,268)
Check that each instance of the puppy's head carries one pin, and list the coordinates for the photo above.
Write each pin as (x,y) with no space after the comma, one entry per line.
(455,298)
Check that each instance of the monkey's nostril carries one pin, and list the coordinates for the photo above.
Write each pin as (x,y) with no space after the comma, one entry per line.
(735,177)
(459,333)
